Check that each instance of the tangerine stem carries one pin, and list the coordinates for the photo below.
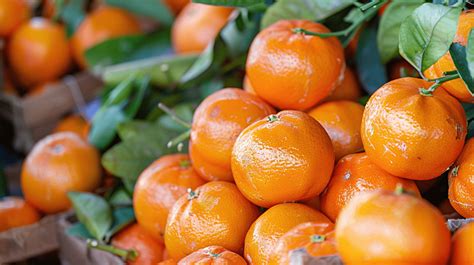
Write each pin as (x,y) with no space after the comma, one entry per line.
(192,194)
(173,115)
(184,163)
(437,83)
(273,118)
(127,255)
(399,190)
(178,139)
(317,238)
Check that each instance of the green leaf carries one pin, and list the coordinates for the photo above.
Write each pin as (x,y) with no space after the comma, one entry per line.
(239,33)
(93,212)
(155,9)
(303,9)
(104,124)
(427,33)
(184,111)
(464,67)
(120,197)
(120,93)
(237,3)
(78,230)
(72,14)
(163,71)
(389,28)
(371,71)
(128,48)
(137,99)
(123,216)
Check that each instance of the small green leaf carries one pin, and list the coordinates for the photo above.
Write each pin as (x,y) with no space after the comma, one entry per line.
(72,14)
(136,101)
(237,3)
(104,124)
(155,9)
(460,59)
(427,33)
(389,28)
(93,212)
(78,230)
(371,71)
(303,9)
(120,197)
(123,216)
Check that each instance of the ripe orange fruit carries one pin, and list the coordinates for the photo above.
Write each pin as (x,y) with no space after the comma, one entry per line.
(353,174)
(149,249)
(59,163)
(176,5)
(196,26)
(262,237)
(214,214)
(463,245)
(213,255)
(159,187)
(411,135)
(383,227)
(455,87)
(461,182)
(100,25)
(38,52)
(341,120)
(286,72)
(248,87)
(317,239)
(15,212)
(168,262)
(398,68)
(349,89)
(12,14)
(217,122)
(286,157)
(74,123)
(7,86)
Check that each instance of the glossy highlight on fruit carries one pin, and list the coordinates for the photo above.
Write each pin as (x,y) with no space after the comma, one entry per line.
(16,212)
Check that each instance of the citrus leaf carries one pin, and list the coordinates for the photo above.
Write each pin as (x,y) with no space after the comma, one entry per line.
(72,14)
(78,230)
(237,3)
(155,9)
(427,33)
(93,212)
(371,71)
(303,9)
(104,124)
(120,197)
(389,28)
(123,216)
(464,67)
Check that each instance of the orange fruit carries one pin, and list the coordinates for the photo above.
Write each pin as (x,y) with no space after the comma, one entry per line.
(57,164)
(176,5)
(74,123)
(285,157)
(248,87)
(214,214)
(286,72)
(314,203)
(264,233)
(16,212)
(49,9)
(149,249)
(7,86)
(411,135)
(196,26)
(317,239)
(12,14)
(455,87)
(38,52)
(383,227)
(353,174)
(349,89)
(168,262)
(341,120)
(159,186)
(100,25)
(217,122)
(400,67)
(461,182)
(213,255)
(462,247)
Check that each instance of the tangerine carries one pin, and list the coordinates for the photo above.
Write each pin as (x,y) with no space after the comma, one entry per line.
(12,14)
(213,255)
(16,212)
(462,247)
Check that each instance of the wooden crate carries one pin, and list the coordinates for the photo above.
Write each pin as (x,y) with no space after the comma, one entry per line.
(34,116)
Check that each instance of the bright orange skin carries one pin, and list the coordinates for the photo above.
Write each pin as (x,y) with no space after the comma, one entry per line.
(462,247)
(176,5)
(74,123)
(410,135)
(217,122)
(349,89)
(248,87)
(303,236)
(168,262)
(159,187)
(354,174)
(217,214)
(461,183)
(398,67)
(455,87)
(150,250)
(263,236)
(286,72)
(16,212)
(289,159)
(197,25)
(100,25)
(381,227)
(12,14)
(341,120)
(213,255)
(59,163)
(38,52)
